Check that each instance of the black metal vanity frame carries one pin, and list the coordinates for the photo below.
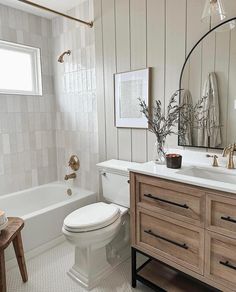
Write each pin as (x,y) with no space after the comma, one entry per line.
(136,277)
(182,71)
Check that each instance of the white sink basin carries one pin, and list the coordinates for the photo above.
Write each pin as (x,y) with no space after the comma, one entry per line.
(210,174)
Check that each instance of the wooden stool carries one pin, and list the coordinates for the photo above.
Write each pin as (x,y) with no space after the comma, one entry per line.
(12,233)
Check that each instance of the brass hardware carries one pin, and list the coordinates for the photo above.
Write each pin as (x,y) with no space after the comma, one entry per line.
(69,192)
(90,24)
(70,176)
(229,150)
(74,163)
(215,161)
(61,58)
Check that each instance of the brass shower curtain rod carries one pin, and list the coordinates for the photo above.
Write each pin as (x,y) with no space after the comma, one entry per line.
(90,24)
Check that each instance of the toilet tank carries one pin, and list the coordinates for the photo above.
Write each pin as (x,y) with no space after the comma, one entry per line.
(115,181)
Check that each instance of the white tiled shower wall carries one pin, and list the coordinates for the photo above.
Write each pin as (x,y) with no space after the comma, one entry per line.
(76,103)
(39,133)
(27,136)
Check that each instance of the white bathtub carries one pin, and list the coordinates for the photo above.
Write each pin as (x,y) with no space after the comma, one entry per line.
(43,209)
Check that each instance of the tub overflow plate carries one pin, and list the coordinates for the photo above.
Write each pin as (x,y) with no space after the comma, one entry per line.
(69,192)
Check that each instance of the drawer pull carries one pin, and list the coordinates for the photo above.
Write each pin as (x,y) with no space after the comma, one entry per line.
(165,201)
(227,264)
(166,239)
(228,219)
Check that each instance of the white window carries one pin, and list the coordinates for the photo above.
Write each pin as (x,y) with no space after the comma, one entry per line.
(20,69)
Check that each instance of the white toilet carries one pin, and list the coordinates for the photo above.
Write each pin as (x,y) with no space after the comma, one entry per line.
(100,231)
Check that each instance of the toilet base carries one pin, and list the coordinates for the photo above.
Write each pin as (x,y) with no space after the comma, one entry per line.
(92,266)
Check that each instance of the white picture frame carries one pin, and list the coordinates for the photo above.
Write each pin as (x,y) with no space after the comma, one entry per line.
(129,86)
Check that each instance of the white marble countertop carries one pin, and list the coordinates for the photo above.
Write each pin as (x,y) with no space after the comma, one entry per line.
(161,171)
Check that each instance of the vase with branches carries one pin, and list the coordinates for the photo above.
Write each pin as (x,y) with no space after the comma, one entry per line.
(163,122)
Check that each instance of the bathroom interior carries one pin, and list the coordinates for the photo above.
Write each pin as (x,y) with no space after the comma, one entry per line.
(117,143)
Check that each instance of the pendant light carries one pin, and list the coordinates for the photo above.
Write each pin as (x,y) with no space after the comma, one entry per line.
(214,13)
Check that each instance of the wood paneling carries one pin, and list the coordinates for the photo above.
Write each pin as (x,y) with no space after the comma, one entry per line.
(138,39)
(122,21)
(156,56)
(109,61)
(132,34)
(175,50)
(195,27)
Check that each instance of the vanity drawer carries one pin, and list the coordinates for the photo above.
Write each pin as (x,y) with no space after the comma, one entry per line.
(221,259)
(176,201)
(177,241)
(221,215)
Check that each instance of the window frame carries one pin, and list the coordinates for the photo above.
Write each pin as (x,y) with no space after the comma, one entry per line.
(35,54)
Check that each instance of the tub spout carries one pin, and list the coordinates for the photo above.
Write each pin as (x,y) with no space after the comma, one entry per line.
(70,176)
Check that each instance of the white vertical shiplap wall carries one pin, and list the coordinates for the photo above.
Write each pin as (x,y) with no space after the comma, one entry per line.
(133,34)
(123,63)
(156,30)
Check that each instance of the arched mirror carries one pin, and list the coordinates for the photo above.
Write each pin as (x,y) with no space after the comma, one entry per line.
(208,78)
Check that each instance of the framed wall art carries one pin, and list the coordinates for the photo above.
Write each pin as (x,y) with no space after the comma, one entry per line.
(129,86)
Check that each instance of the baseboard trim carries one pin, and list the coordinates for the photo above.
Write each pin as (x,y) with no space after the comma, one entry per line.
(37,251)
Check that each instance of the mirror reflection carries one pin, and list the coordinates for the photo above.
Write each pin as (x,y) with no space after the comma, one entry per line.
(209,75)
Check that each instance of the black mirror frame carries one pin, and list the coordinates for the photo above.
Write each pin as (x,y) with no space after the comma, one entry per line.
(182,71)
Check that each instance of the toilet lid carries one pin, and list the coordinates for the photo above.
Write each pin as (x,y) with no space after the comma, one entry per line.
(91,217)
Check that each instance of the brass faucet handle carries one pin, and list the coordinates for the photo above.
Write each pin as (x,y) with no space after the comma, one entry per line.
(215,160)
(74,163)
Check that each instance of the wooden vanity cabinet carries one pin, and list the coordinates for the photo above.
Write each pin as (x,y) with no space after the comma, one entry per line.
(189,228)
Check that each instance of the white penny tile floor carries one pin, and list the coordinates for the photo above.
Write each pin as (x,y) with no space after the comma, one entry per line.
(47,273)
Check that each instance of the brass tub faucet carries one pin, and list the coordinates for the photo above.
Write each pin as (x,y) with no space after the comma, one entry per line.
(70,176)
(229,150)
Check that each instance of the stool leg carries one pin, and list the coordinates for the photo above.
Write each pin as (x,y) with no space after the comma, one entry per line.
(3,287)
(19,251)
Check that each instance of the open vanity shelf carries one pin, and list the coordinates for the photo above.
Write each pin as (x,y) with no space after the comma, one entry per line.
(188,228)
(163,278)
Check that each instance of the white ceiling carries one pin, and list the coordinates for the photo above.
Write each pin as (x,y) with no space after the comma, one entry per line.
(59,5)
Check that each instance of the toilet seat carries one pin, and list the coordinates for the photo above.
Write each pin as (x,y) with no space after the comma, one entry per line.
(92,217)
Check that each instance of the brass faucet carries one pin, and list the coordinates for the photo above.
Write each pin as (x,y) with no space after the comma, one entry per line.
(70,176)
(229,150)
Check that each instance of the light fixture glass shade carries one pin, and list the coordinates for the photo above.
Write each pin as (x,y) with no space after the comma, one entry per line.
(213,12)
